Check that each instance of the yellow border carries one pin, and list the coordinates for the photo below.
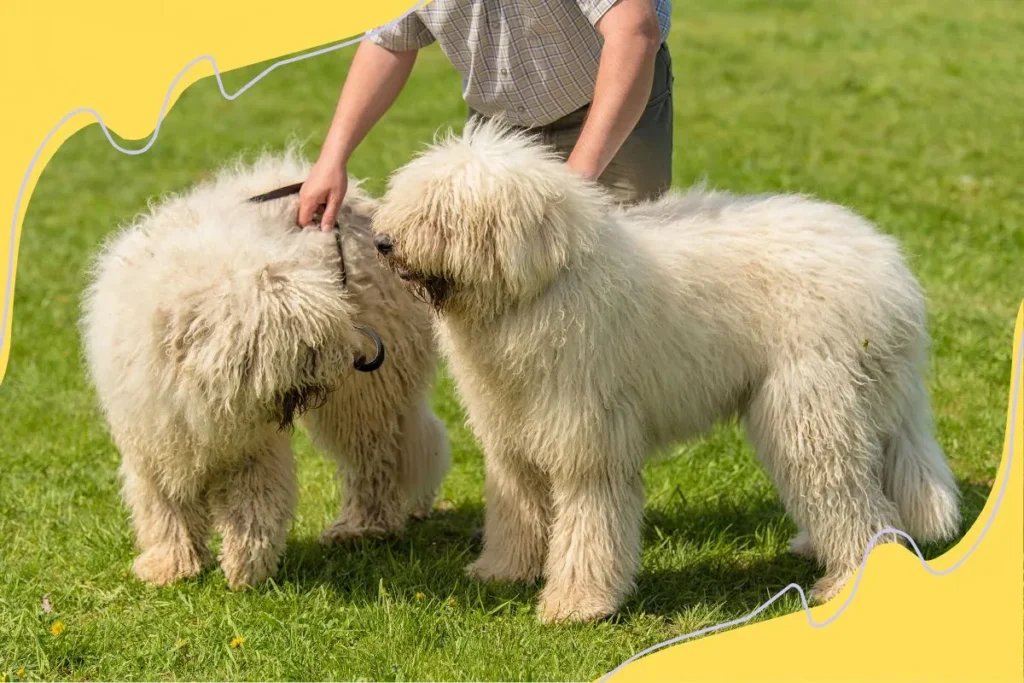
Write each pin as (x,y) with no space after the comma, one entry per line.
(120,58)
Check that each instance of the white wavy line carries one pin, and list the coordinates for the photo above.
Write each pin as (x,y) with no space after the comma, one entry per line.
(156,131)
(864,559)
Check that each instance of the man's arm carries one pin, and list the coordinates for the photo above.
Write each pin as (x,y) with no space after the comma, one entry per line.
(375,79)
(379,71)
(632,37)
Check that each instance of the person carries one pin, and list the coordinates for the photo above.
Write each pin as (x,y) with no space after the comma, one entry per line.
(592,77)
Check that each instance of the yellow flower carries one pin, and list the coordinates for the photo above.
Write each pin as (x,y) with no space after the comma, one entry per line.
(20,672)
(57,628)
(237,641)
(420,596)
(451,602)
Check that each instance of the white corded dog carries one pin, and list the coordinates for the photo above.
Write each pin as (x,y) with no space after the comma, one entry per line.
(208,326)
(584,337)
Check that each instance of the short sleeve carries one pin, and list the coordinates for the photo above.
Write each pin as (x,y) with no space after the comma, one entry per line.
(408,33)
(593,10)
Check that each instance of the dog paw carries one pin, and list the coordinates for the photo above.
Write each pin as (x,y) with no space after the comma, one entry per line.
(800,545)
(163,565)
(487,569)
(573,606)
(339,533)
(248,571)
(347,529)
(422,511)
(828,587)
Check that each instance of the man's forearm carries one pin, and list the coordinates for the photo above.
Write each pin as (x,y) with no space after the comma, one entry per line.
(374,81)
(624,80)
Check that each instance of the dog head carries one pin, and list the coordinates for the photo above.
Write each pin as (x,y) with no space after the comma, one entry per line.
(219,313)
(260,327)
(484,222)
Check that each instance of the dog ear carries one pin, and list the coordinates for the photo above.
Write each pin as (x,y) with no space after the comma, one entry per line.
(537,251)
(533,262)
(181,330)
(201,316)
(205,346)
(565,227)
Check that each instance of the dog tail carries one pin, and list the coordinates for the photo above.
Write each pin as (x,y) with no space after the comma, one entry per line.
(917,477)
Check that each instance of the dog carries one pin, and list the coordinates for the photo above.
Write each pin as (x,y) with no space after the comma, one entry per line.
(210,324)
(585,337)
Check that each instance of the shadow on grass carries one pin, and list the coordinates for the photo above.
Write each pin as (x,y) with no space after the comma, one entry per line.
(731,587)
(430,555)
(734,577)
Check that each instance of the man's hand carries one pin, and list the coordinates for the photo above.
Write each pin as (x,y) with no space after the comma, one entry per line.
(326,185)
(625,74)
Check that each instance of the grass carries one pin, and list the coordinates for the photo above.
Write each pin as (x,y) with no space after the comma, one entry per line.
(909,112)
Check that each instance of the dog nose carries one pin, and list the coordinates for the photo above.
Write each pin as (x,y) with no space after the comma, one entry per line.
(383,244)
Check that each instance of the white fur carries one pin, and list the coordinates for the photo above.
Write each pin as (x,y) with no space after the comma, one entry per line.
(585,337)
(199,318)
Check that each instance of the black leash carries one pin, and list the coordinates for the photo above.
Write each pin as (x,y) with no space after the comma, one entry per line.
(361,363)
(276,194)
(289,190)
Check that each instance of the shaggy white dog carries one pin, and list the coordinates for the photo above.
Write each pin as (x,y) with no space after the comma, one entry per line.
(209,324)
(584,337)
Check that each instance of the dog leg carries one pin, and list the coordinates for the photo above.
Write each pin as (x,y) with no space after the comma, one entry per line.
(515,521)
(917,476)
(366,443)
(808,426)
(371,490)
(171,533)
(426,459)
(594,551)
(252,508)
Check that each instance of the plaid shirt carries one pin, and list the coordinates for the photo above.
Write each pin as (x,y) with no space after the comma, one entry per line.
(532,60)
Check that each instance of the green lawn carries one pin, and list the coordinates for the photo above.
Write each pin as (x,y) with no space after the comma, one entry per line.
(909,112)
